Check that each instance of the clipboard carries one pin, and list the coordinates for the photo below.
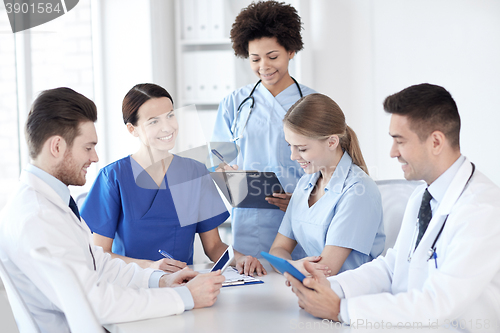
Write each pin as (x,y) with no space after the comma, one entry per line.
(248,189)
(233,278)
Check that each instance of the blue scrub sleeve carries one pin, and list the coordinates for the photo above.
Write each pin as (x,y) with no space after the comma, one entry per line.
(357,218)
(211,223)
(286,224)
(102,207)
(224,120)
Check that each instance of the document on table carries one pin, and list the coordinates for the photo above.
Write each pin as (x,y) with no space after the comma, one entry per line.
(233,278)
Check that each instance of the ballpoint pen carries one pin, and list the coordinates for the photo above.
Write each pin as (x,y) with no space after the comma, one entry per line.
(166,254)
(219,156)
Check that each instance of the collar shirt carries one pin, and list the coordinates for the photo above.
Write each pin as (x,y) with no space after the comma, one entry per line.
(348,215)
(438,188)
(58,186)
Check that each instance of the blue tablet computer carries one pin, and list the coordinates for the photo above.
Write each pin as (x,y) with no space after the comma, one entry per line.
(283,266)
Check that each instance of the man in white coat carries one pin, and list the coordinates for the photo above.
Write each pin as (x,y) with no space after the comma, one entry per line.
(41,214)
(444,269)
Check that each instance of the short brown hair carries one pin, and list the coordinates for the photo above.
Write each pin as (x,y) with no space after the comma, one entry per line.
(429,108)
(318,116)
(267,19)
(57,112)
(138,95)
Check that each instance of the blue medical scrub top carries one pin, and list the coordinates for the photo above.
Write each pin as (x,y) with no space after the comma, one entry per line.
(262,148)
(125,204)
(348,215)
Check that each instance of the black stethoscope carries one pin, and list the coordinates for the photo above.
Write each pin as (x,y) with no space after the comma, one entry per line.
(252,100)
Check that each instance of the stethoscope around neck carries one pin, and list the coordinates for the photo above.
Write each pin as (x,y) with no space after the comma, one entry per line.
(431,254)
(252,104)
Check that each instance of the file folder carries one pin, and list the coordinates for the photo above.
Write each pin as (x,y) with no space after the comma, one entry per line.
(248,189)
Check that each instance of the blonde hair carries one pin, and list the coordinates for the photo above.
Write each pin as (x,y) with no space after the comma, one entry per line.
(317,116)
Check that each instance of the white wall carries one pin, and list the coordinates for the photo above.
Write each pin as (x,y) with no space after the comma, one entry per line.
(126,61)
(137,46)
(365,50)
(357,52)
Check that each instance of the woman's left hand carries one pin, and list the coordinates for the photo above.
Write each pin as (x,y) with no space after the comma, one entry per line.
(280,199)
(299,264)
(248,265)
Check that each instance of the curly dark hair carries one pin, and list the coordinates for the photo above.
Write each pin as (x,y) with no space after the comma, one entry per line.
(267,19)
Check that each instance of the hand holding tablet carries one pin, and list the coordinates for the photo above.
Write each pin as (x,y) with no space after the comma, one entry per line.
(283,266)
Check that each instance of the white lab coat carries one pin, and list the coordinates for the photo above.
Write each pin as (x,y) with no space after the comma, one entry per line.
(37,217)
(466,284)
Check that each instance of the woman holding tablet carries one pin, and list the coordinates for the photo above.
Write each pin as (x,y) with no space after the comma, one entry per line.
(153,200)
(268,34)
(336,211)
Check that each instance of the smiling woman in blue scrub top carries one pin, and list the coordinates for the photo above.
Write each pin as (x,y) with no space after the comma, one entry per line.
(153,200)
(268,34)
(335,212)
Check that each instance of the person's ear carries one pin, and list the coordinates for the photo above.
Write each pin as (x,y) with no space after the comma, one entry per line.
(333,142)
(437,141)
(291,54)
(57,146)
(132,129)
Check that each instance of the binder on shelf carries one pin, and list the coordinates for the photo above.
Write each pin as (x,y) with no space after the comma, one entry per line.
(208,76)
(188,19)
(202,18)
(226,79)
(205,66)
(223,80)
(189,75)
(216,28)
(211,74)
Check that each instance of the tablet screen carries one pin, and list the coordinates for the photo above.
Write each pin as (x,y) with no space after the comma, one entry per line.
(224,260)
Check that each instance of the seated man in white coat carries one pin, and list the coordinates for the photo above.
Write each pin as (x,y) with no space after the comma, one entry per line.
(41,214)
(445,266)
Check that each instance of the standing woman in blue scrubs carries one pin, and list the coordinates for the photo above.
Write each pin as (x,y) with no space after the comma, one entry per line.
(268,34)
(153,200)
(335,212)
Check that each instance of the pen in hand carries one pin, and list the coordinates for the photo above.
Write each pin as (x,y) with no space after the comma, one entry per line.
(169,266)
(166,254)
(219,156)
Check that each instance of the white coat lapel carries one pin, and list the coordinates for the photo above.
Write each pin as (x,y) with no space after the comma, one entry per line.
(49,193)
(451,196)
(419,266)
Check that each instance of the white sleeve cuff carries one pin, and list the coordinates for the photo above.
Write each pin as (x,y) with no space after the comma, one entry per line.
(154,279)
(337,288)
(186,296)
(344,312)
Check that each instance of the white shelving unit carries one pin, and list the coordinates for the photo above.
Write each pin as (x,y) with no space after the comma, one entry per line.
(206,68)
